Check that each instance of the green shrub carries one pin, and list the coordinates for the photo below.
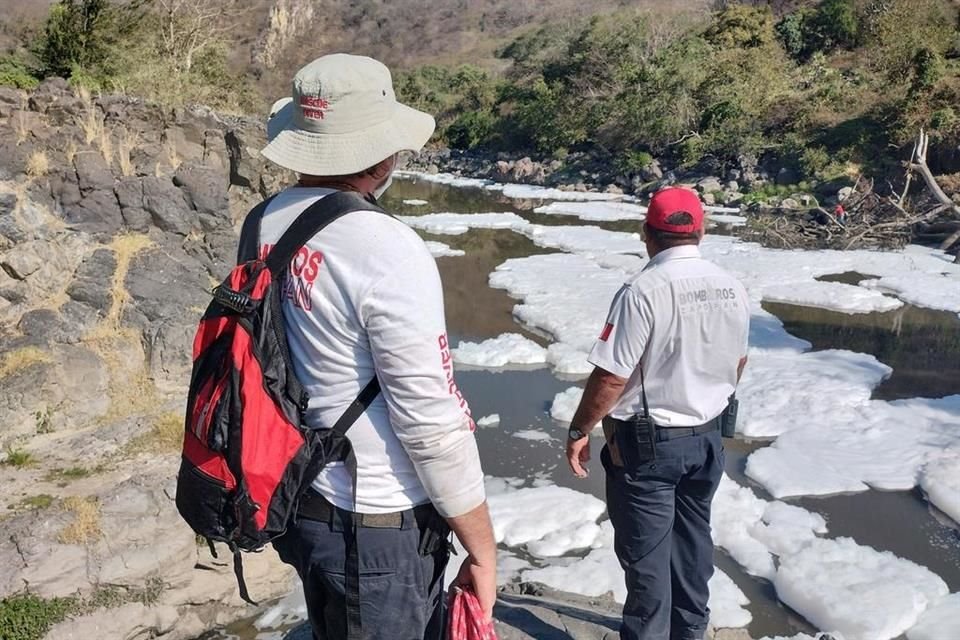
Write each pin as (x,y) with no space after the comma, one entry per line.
(633,161)
(29,617)
(740,27)
(16,73)
(19,458)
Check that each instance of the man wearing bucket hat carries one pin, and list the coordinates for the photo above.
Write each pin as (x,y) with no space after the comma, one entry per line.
(666,365)
(363,300)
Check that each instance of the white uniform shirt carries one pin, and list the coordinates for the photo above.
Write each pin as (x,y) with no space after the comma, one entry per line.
(686,321)
(363,297)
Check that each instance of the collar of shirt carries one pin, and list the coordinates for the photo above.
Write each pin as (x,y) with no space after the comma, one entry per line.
(675,253)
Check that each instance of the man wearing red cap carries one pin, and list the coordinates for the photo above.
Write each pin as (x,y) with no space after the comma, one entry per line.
(667,361)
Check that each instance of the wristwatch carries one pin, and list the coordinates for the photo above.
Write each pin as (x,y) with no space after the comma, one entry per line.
(576,434)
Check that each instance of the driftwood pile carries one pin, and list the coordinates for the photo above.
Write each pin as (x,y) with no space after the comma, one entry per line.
(866,219)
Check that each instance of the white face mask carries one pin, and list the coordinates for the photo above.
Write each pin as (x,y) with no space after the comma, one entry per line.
(379,191)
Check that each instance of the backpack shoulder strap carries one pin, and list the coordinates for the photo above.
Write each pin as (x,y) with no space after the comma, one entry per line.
(249,246)
(311,222)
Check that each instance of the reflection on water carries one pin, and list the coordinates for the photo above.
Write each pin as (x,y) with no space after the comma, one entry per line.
(922,345)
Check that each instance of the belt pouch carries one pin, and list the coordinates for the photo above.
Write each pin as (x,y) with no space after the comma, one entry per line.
(637,440)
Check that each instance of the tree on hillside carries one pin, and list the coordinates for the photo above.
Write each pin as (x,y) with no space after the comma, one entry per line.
(81,35)
(187,27)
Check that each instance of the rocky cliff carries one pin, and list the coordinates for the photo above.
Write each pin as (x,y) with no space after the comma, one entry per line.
(116,218)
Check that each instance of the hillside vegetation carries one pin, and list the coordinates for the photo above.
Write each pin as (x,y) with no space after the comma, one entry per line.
(830,87)
(827,87)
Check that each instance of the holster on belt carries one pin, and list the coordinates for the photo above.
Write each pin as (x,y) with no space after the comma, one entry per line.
(609,433)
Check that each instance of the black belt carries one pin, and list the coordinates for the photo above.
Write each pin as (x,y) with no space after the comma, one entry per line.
(314,506)
(669,433)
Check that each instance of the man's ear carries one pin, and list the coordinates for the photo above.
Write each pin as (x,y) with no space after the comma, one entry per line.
(382,169)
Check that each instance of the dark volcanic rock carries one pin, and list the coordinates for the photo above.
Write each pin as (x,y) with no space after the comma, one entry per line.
(92,283)
(205,188)
(9,228)
(49,327)
(169,290)
(49,92)
(93,172)
(98,213)
(168,207)
(130,196)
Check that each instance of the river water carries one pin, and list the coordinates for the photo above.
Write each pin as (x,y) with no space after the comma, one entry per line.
(921,345)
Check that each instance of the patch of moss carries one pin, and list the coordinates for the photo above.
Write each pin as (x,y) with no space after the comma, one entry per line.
(41,501)
(29,617)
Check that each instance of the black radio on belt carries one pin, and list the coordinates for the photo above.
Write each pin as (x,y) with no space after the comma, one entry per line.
(728,419)
(636,438)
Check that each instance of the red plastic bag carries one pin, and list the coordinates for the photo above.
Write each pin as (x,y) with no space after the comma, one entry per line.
(466,618)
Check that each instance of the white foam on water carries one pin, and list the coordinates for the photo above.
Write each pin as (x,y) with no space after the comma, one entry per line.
(835,296)
(489,421)
(443,178)
(415,202)
(832,437)
(939,622)
(510,190)
(455,224)
(534,435)
(940,480)
(584,239)
(731,218)
(530,514)
(565,359)
(506,349)
(727,603)
(595,211)
(566,295)
(933,290)
(565,404)
(803,636)
(289,610)
(599,572)
(441,250)
(533,192)
(879,444)
(753,531)
(785,389)
(862,593)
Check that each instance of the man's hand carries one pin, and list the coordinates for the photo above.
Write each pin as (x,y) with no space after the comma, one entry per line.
(482,580)
(578,455)
(479,571)
(600,395)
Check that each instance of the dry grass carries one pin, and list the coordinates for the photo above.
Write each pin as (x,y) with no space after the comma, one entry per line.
(70,152)
(131,390)
(19,359)
(38,164)
(125,247)
(173,158)
(126,142)
(20,127)
(165,434)
(86,526)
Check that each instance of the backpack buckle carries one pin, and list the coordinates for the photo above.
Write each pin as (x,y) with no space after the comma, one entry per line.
(234,300)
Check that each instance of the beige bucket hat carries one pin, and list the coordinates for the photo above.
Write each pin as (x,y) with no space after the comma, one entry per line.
(343,118)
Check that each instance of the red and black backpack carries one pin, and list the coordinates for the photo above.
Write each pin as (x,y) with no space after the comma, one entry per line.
(247,454)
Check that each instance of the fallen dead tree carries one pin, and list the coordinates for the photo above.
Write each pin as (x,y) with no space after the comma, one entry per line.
(865,219)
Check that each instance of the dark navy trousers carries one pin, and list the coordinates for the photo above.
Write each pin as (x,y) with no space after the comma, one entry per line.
(660,513)
(400,588)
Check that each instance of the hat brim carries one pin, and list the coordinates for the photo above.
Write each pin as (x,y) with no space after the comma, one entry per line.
(340,154)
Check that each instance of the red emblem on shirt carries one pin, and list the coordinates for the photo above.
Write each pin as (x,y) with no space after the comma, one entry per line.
(607,330)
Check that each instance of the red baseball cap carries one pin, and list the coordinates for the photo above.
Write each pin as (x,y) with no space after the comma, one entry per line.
(673,200)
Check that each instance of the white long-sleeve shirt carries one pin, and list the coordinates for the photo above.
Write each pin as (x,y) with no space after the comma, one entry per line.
(363,298)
